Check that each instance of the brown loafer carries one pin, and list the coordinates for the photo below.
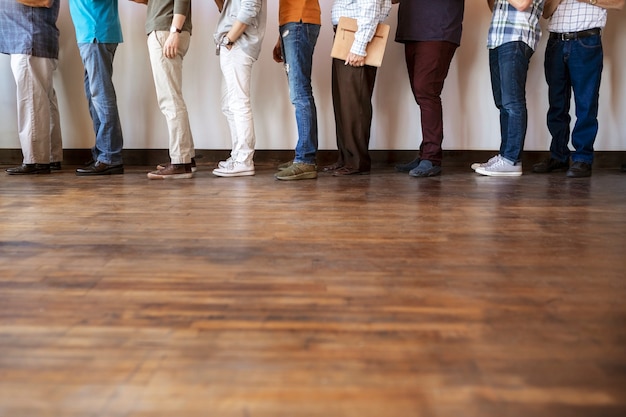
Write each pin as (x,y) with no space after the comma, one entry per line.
(333,167)
(348,171)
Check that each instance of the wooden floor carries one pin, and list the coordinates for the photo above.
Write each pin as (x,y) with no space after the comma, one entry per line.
(369,296)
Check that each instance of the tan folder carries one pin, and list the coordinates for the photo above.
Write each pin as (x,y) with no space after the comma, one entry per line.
(344,37)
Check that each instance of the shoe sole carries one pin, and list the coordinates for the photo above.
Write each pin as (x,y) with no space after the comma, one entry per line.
(233,174)
(158,167)
(92,174)
(586,175)
(29,173)
(186,175)
(303,176)
(498,174)
(547,171)
(429,173)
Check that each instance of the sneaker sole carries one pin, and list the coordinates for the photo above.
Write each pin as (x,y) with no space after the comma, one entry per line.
(498,174)
(303,176)
(233,174)
(170,177)
(429,173)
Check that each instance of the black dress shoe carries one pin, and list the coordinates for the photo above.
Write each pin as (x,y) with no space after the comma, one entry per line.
(100,168)
(409,166)
(55,166)
(27,169)
(579,170)
(550,165)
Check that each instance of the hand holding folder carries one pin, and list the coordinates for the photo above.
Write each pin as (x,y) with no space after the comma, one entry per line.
(344,38)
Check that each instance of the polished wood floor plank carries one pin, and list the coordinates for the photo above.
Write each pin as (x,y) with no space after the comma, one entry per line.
(379,295)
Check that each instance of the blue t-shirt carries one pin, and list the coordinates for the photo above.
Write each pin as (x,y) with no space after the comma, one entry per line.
(96,21)
(430,20)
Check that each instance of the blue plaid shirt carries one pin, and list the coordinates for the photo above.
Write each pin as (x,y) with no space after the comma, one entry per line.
(510,25)
(29,30)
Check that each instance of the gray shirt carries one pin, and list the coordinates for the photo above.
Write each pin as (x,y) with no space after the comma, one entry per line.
(252,13)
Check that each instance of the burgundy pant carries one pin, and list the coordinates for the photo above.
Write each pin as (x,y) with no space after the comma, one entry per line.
(428,64)
(352,101)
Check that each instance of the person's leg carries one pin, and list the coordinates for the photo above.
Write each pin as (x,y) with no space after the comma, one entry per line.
(98,62)
(168,78)
(496,89)
(337,67)
(56,140)
(298,44)
(236,68)
(509,67)
(33,77)
(559,96)
(514,59)
(352,97)
(428,64)
(585,65)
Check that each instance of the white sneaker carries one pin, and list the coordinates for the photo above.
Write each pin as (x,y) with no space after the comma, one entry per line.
(500,168)
(224,164)
(235,169)
(485,164)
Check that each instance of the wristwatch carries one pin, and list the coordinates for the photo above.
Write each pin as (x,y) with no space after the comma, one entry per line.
(593,2)
(174,29)
(225,41)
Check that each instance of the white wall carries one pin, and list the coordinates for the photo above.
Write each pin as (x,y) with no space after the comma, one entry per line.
(471,120)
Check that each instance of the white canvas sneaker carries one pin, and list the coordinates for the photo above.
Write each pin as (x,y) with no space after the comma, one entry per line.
(485,164)
(224,164)
(234,169)
(500,168)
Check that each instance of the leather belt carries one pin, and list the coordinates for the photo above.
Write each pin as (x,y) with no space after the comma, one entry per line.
(571,36)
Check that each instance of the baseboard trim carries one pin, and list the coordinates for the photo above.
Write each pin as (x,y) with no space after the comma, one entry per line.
(451,158)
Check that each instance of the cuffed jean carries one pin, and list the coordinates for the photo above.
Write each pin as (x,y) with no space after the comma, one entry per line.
(236,68)
(509,70)
(38,121)
(298,43)
(168,81)
(98,62)
(573,65)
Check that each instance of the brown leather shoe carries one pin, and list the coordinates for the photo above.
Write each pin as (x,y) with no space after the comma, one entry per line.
(100,168)
(28,169)
(172,172)
(166,164)
(348,171)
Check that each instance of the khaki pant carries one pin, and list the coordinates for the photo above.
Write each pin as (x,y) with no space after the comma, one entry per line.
(38,124)
(168,82)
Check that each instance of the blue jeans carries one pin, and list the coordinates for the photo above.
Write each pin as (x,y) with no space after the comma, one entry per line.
(98,62)
(509,69)
(298,43)
(573,65)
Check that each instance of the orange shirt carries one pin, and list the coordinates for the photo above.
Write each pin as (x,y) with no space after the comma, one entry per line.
(307,11)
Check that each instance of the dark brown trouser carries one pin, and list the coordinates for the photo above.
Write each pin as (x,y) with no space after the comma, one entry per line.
(428,64)
(352,101)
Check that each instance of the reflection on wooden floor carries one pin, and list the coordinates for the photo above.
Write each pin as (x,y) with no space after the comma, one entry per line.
(370,296)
